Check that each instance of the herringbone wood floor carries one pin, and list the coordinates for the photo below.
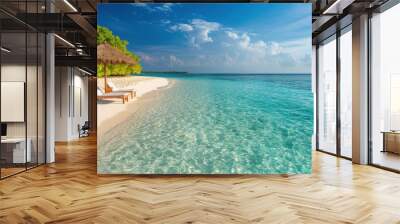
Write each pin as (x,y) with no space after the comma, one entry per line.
(69,191)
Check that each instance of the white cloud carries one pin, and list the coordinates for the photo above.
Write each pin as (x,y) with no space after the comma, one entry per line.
(228,59)
(174,61)
(297,49)
(146,58)
(182,27)
(198,30)
(152,7)
(296,45)
(138,4)
(166,7)
(204,28)
(257,48)
(165,21)
(275,48)
(239,51)
(232,35)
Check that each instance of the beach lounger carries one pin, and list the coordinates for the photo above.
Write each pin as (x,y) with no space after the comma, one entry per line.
(101,95)
(114,89)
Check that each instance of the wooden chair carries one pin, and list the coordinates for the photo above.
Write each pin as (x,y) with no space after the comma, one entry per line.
(113,95)
(84,129)
(114,89)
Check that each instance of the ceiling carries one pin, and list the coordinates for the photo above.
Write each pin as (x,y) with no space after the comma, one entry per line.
(74,21)
(331,15)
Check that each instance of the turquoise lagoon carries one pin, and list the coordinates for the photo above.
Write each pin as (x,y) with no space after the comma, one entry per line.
(216,124)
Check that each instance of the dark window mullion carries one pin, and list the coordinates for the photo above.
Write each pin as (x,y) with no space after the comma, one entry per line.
(26,87)
(338,80)
(0,95)
(369,90)
(45,87)
(317,97)
(37,90)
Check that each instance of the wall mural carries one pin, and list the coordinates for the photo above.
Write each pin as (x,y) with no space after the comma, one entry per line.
(204,88)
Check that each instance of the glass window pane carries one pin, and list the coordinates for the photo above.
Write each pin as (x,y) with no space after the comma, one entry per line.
(327,96)
(385,92)
(13,86)
(346,93)
(41,98)
(23,87)
(32,95)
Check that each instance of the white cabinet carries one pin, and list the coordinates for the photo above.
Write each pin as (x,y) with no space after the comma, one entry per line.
(19,155)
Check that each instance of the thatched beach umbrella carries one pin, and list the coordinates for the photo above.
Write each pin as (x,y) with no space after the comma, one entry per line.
(106,54)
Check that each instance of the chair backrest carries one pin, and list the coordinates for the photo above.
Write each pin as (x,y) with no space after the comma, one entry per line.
(111,85)
(86,125)
(99,92)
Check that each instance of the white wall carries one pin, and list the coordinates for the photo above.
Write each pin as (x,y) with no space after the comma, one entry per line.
(70,83)
(62,82)
(13,101)
(16,73)
(79,117)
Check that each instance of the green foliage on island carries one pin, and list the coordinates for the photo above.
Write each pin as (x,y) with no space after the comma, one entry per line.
(104,35)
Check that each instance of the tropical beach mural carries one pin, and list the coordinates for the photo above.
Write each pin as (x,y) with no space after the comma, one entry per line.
(204,88)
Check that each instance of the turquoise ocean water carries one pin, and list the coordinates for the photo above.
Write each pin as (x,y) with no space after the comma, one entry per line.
(216,124)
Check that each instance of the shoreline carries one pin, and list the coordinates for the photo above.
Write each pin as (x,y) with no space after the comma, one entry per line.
(112,113)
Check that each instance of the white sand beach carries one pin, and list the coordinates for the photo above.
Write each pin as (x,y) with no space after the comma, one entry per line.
(113,111)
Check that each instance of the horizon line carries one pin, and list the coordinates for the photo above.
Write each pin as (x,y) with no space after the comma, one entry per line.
(250,73)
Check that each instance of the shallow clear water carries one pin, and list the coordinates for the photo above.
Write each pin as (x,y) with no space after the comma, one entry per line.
(222,124)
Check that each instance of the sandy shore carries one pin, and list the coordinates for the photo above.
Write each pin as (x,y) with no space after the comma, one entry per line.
(112,112)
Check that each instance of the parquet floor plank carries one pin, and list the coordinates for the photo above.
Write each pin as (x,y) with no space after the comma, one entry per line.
(70,191)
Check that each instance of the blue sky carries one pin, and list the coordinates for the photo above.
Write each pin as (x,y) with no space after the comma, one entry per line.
(221,38)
